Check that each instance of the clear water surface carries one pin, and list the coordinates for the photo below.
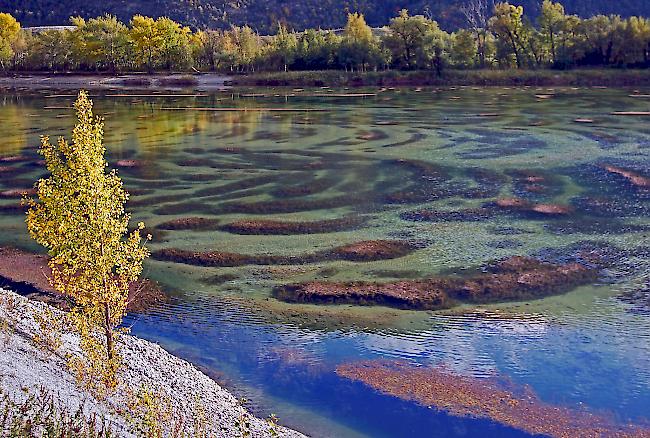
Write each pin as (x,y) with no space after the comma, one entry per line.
(325,154)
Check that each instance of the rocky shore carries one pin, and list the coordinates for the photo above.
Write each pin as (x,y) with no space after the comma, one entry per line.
(193,403)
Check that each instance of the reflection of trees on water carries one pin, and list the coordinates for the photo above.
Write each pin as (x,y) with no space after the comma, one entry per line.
(13,127)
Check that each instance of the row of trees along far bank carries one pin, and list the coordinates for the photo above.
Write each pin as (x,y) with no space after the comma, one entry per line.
(497,36)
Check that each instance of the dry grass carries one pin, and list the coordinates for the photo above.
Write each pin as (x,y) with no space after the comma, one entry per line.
(38,415)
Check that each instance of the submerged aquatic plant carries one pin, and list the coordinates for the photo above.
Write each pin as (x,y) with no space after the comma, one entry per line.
(483,398)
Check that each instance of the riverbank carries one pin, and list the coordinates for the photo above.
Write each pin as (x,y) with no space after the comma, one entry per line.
(331,78)
(482,78)
(156,386)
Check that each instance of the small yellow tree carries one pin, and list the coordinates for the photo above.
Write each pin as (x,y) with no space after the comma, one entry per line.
(79,217)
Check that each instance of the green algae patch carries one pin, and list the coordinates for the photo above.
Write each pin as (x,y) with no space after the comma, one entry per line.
(270,227)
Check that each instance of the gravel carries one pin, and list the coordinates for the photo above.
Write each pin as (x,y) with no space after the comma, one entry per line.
(194,402)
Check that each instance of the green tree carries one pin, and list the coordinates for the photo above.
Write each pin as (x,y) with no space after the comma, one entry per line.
(21,47)
(79,217)
(52,50)
(9,33)
(283,48)
(208,48)
(552,22)
(508,26)
(637,40)
(477,14)
(146,39)
(173,49)
(535,45)
(102,42)
(359,49)
(415,41)
(603,40)
(245,45)
(313,51)
(464,49)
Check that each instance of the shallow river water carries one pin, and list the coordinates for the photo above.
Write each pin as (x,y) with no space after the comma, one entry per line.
(378,158)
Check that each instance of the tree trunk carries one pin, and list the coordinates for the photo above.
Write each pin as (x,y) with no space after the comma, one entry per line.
(109,332)
(553,47)
(515,50)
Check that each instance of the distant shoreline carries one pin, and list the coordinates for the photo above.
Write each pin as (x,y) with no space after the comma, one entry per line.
(482,78)
(98,81)
(330,78)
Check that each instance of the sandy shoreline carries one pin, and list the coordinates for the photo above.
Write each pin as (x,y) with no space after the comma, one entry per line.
(26,366)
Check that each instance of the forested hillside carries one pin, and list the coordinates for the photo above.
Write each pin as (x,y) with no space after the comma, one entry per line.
(263,15)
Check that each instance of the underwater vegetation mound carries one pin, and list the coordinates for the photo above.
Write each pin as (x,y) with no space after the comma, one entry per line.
(639,298)
(360,200)
(427,182)
(304,188)
(521,205)
(515,278)
(14,159)
(212,258)
(488,398)
(269,227)
(374,250)
(530,183)
(635,178)
(365,251)
(17,193)
(189,223)
(13,208)
(9,171)
(466,215)
(129,163)
(145,294)
(27,274)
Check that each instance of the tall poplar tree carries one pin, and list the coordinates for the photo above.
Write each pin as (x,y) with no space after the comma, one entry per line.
(79,217)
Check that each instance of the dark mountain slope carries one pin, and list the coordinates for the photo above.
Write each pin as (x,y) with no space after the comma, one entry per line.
(264,14)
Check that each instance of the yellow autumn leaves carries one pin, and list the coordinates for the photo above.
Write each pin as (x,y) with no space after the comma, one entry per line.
(79,217)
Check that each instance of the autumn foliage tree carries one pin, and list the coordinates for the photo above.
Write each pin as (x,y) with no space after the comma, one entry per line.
(9,32)
(79,217)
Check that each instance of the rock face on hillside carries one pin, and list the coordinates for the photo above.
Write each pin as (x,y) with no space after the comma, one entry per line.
(26,367)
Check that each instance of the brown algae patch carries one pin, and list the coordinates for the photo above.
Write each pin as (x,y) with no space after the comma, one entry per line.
(512,279)
(270,227)
(365,251)
(355,318)
(28,274)
(17,193)
(189,223)
(464,396)
(521,205)
(633,177)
